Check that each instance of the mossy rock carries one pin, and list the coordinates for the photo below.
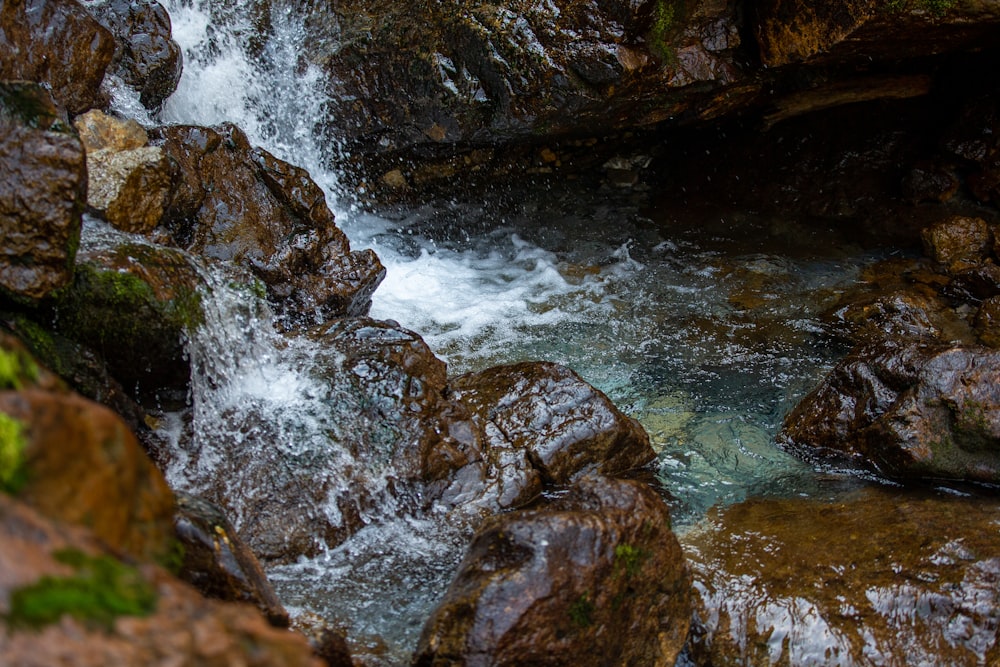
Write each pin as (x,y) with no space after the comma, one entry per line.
(134,305)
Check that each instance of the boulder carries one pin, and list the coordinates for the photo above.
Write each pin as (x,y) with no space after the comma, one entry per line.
(146,57)
(906,411)
(875,576)
(43,181)
(958,242)
(57,43)
(544,426)
(988,322)
(83,466)
(241,204)
(593,577)
(129,189)
(218,563)
(133,305)
(65,600)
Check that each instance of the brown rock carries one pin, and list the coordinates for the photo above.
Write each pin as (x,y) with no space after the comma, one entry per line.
(57,43)
(241,204)
(85,467)
(793,30)
(99,131)
(958,241)
(877,575)
(988,322)
(42,189)
(916,411)
(544,425)
(130,188)
(146,56)
(173,626)
(595,577)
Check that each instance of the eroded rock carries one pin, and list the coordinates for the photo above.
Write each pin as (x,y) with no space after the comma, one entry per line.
(591,577)
(43,186)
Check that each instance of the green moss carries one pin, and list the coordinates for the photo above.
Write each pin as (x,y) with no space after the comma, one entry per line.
(935,7)
(628,559)
(664,20)
(101,590)
(13,472)
(581,612)
(16,368)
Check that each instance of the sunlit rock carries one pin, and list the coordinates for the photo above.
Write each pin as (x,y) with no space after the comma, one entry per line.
(42,190)
(594,576)
(56,42)
(958,241)
(874,577)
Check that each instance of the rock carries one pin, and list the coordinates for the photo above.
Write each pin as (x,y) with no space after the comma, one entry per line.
(99,131)
(912,411)
(66,601)
(43,183)
(133,305)
(875,576)
(909,314)
(793,30)
(544,426)
(83,466)
(146,56)
(958,241)
(55,42)
(241,204)
(218,563)
(988,322)
(592,577)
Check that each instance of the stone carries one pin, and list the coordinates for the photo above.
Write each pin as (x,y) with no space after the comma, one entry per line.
(146,56)
(913,411)
(99,131)
(790,31)
(240,204)
(57,43)
(130,188)
(875,575)
(43,185)
(218,563)
(142,617)
(988,322)
(594,576)
(958,241)
(544,426)
(83,466)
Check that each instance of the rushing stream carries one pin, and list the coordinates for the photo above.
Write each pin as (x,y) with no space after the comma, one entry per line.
(704,328)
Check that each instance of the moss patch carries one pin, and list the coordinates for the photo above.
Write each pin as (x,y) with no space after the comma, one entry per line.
(581,612)
(16,369)
(628,559)
(101,590)
(13,472)
(664,20)
(935,7)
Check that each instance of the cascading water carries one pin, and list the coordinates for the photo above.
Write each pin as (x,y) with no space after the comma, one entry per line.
(708,346)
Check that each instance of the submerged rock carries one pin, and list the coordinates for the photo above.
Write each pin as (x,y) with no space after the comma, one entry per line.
(43,185)
(57,43)
(875,577)
(911,411)
(592,577)
(67,601)
(241,204)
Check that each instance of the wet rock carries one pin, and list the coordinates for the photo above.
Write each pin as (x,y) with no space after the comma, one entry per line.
(912,411)
(56,42)
(218,563)
(83,466)
(241,204)
(146,57)
(958,241)
(592,577)
(988,322)
(910,314)
(876,576)
(117,614)
(42,190)
(543,425)
(132,305)
(793,31)
(99,131)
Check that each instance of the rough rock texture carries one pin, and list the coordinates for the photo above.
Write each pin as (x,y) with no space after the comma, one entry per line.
(241,204)
(594,577)
(543,426)
(988,322)
(55,42)
(879,576)
(84,466)
(793,30)
(218,563)
(43,185)
(149,620)
(908,411)
(132,305)
(958,242)
(146,57)
(99,131)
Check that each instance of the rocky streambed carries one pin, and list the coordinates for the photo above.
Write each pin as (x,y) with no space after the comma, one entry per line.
(716,285)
